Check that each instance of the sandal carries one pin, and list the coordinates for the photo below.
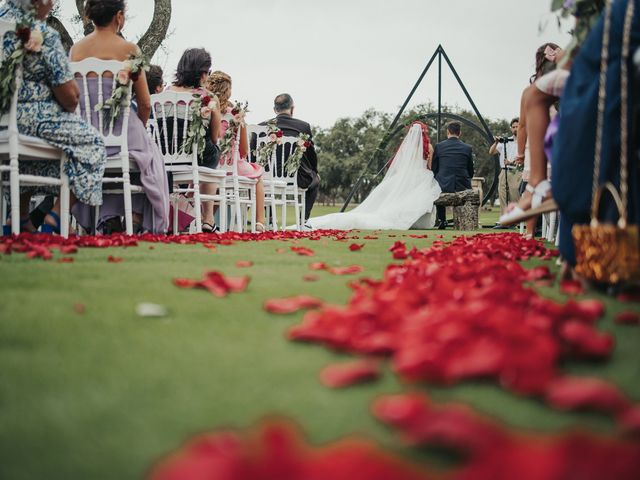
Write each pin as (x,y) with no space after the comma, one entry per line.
(51,229)
(260,228)
(210,228)
(539,204)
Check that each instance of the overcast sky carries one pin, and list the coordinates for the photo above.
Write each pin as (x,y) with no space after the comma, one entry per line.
(338,58)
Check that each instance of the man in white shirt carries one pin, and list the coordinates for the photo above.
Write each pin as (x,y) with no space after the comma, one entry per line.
(510,172)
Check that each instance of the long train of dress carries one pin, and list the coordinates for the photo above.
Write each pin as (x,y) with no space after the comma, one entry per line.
(403,199)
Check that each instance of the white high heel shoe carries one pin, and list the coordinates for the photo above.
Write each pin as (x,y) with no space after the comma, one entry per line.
(538,205)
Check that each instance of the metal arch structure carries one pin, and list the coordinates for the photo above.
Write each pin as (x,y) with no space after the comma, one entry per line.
(452,116)
(484,129)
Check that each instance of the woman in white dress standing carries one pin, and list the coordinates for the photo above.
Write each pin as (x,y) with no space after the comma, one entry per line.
(404,198)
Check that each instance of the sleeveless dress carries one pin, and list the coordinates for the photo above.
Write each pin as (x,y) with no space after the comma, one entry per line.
(245,168)
(40,115)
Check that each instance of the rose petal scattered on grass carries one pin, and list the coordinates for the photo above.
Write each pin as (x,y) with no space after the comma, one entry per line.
(303,251)
(577,393)
(285,306)
(627,318)
(355,247)
(342,375)
(113,259)
(79,308)
(318,266)
(371,237)
(571,287)
(244,264)
(216,283)
(68,249)
(350,270)
(310,277)
(66,260)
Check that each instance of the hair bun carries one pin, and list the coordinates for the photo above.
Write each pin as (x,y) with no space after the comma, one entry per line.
(101,12)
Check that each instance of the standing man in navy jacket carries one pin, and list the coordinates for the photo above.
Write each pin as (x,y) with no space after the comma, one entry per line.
(453,166)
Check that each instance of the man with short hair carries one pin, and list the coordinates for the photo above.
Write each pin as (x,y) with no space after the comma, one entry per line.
(453,166)
(510,171)
(155,79)
(308,177)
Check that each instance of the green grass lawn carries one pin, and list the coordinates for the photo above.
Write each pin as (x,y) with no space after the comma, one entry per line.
(102,394)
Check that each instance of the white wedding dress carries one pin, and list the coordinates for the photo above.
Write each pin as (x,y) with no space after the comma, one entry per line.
(404,198)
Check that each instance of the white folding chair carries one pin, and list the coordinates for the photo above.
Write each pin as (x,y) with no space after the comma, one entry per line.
(115,134)
(16,148)
(294,195)
(170,119)
(274,190)
(240,191)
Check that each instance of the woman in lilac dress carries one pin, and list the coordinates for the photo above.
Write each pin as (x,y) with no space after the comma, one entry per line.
(151,210)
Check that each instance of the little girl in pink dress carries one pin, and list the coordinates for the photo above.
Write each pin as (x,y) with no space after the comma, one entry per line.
(219,83)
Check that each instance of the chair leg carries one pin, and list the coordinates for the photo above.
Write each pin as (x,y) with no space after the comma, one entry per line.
(274,210)
(14,186)
(284,209)
(128,210)
(254,206)
(175,215)
(64,201)
(198,206)
(303,211)
(3,204)
(224,223)
(296,207)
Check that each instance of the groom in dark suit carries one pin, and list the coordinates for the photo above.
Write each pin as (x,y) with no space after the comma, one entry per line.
(452,166)
(308,177)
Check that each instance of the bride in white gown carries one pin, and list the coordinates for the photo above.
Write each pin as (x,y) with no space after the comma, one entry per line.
(403,199)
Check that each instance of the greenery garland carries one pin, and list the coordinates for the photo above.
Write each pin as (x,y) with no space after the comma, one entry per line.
(265,151)
(293,162)
(30,41)
(586,13)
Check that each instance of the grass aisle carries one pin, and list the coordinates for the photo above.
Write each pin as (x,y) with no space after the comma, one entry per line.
(104,393)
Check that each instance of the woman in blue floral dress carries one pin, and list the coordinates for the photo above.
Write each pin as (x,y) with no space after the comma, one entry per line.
(47,103)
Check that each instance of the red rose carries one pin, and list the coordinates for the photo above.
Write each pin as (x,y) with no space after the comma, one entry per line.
(134,76)
(206,100)
(235,111)
(279,134)
(307,144)
(24,34)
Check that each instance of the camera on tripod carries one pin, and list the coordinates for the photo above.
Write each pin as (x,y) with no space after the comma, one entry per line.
(504,139)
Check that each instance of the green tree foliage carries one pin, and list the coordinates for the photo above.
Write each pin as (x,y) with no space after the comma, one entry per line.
(345,148)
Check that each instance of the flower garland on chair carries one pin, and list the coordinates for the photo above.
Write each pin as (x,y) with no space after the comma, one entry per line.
(120,96)
(239,112)
(293,162)
(263,152)
(201,109)
(30,41)
(586,12)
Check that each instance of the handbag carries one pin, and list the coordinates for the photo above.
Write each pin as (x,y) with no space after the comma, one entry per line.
(605,252)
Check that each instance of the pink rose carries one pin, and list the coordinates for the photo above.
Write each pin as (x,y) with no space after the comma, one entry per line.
(35,42)
(123,77)
(205,112)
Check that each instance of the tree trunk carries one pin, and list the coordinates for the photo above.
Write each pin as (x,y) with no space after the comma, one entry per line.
(148,43)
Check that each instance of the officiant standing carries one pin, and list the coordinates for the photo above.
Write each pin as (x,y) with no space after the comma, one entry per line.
(453,167)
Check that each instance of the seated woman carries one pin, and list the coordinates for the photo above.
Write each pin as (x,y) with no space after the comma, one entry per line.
(404,198)
(151,210)
(219,83)
(46,105)
(191,75)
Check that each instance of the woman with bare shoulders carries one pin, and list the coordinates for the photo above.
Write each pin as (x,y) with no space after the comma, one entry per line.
(151,211)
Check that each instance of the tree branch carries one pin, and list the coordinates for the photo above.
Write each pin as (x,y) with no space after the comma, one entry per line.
(157,31)
(57,25)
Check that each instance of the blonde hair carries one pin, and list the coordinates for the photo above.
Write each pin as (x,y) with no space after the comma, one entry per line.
(219,83)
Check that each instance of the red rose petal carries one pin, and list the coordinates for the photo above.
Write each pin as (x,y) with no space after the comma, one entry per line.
(350,270)
(310,278)
(68,249)
(627,318)
(113,259)
(355,247)
(572,393)
(66,260)
(346,374)
(303,251)
(244,264)
(318,266)
(79,308)
(571,287)
(282,306)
